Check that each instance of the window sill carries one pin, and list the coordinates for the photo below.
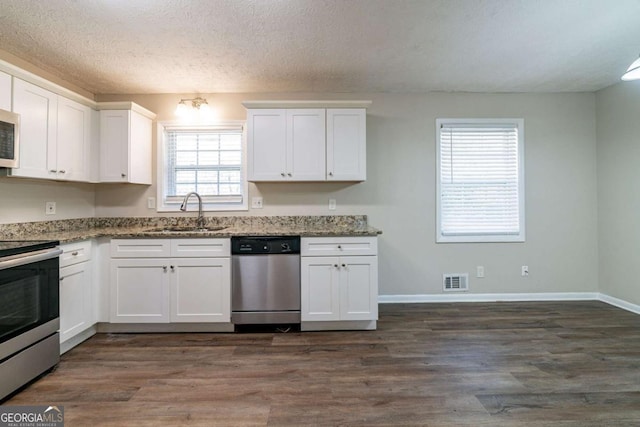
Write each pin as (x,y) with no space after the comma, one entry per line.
(481,239)
(205,208)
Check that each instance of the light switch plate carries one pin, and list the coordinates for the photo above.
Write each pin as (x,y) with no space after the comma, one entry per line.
(151,202)
(332,204)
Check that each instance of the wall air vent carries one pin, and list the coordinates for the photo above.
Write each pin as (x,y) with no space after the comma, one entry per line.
(457,282)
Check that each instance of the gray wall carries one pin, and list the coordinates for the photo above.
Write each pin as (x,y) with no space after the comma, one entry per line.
(399,194)
(618,136)
(23,200)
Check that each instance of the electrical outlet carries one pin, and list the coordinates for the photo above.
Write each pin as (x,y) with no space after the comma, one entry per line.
(525,270)
(256,202)
(151,202)
(50,208)
(480,271)
(332,204)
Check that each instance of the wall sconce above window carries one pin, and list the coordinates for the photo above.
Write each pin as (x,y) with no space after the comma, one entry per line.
(633,72)
(199,106)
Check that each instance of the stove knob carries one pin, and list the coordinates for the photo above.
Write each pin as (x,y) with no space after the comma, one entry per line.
(285,247)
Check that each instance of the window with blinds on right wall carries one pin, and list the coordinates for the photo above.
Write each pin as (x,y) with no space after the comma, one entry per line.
(480,180)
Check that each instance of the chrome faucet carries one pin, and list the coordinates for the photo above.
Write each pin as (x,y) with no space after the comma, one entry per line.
(183,208)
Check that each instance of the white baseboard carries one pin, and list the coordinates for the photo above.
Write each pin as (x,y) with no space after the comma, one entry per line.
(634,308)
(464,297)
(548,296)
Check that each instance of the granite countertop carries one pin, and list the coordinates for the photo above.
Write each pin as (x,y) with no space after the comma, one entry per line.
(67,231)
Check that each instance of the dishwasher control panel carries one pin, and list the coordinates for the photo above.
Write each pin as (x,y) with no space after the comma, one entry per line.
(256,245)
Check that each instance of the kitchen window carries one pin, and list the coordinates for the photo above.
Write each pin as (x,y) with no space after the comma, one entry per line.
(209,160)
(480,180)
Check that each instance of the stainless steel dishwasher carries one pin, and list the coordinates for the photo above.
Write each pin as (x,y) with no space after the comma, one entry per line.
(265,280)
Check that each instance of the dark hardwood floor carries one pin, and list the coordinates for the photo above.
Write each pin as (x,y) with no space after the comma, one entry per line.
(476,364)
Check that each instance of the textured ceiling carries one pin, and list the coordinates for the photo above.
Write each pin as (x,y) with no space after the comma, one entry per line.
(179,46)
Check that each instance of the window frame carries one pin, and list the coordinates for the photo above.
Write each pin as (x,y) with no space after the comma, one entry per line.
(482,237)
(162,163)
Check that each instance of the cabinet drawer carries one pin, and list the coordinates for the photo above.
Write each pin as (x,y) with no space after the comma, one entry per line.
(140,248)
(200,248)
(74,253)
(338,246)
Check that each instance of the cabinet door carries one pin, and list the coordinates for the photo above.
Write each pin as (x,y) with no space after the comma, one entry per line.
(74,140)
(346,144)
(306,144)
(76,303)
(5,91)
(139,290)
(358,288)
(38,120)
(320,291)
(114,145)
(140,149)
(200,290)
(266,144)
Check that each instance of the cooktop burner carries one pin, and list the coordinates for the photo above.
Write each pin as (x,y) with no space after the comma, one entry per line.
(15,247)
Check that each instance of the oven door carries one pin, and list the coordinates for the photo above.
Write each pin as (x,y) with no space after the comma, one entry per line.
(29,299)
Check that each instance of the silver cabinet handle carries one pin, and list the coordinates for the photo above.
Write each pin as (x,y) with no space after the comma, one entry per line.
(283,174)
(124,175)
(53,171)
(173,268)
(63,171)
(339,246)
(344,265)
(335,265)
(61,279)
(74,253)
(330,173)
(289,174)
(164,268)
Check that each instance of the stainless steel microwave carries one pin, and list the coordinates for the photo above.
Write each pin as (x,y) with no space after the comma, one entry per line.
(9,139)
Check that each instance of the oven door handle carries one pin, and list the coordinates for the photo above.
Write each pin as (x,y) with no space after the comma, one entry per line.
(28,258)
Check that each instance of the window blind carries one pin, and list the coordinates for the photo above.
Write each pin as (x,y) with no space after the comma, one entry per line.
(479,179)
(207,161)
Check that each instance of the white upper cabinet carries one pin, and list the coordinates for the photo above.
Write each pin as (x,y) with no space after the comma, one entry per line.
(267,144)
(125,144)
(55,134)
(38,109)
(5,91)
(286,145)
(346,144)
(306,143)
(73,143)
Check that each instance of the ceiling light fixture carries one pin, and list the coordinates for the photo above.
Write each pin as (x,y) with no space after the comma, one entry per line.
(633,72)
(199,104)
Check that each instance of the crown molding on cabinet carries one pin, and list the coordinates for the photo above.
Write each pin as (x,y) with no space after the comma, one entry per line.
(125,105)
(308,104)
(27,76)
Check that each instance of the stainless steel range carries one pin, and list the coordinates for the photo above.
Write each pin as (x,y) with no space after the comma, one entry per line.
(29,311)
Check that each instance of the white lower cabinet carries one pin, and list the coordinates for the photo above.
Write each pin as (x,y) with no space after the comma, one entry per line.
(139,290)
(161,281)
(339,288)
(200,290)
(77,312)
